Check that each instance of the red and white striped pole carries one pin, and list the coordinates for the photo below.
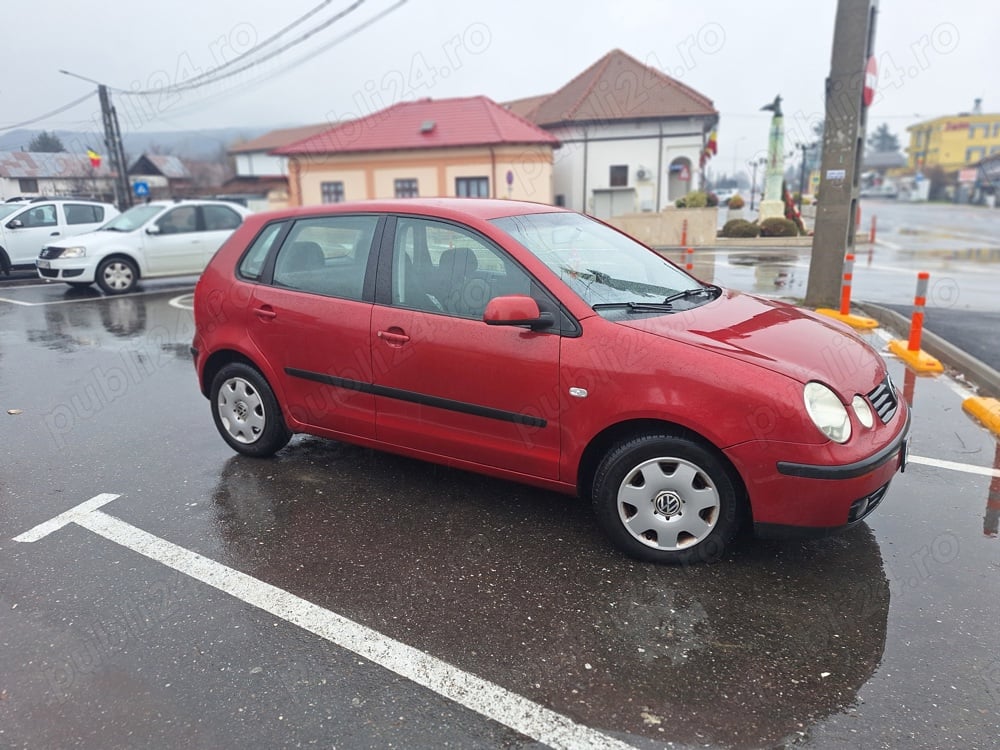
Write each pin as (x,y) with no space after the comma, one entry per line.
(917,322)
(871,232)
(845,285)
(690,259)
(684,232)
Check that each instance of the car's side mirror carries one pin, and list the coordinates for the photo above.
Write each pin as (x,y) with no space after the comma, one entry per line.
(153,229)
(516,310)
(15,224)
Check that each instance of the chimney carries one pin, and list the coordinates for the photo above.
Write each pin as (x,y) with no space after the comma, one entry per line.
(977,106)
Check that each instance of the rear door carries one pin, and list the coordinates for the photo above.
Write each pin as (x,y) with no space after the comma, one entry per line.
(445,382)
(311,318)
(218,223)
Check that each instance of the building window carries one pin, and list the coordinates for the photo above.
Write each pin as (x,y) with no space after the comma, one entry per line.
(27,185)
(407,189)
(976,126)
(472,187)
(619,175)
(974,154)
(332,192)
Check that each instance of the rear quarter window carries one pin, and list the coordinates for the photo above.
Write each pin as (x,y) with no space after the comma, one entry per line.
(252,264)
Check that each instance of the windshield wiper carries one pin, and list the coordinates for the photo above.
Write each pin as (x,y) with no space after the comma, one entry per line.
(710,289)
(636,306)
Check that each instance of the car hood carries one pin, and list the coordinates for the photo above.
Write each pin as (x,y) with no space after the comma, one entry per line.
(94,240)
(776,336)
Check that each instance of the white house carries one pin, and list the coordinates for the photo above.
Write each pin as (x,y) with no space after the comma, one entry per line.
(261,179)
(631,136)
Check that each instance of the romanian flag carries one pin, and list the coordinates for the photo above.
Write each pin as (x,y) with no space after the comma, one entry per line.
(95,158)
(713,143)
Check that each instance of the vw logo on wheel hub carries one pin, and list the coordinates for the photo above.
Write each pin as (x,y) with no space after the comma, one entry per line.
(668,503)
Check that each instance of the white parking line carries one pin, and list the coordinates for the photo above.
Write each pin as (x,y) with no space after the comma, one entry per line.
(183,302)
(479,695)
(954,466)
(22,303)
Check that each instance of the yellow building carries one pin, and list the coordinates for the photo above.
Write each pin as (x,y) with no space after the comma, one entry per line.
(954,142)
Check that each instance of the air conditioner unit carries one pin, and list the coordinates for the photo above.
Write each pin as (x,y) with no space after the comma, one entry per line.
(642,173)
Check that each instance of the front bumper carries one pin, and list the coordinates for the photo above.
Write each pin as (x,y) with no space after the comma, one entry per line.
(64,270)
(800,498)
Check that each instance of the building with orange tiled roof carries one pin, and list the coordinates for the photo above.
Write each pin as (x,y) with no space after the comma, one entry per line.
(465,147)
(631,136)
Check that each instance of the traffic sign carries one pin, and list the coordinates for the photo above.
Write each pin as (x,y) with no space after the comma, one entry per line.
(871,81)
(141,189)
(685,174)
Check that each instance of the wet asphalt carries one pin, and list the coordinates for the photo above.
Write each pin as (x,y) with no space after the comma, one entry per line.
(883,636)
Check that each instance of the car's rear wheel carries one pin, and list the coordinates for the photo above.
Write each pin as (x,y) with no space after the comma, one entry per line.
(246,411)
(667,498)
(117,275)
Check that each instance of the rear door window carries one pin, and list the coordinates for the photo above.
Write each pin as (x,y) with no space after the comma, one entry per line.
(327,255)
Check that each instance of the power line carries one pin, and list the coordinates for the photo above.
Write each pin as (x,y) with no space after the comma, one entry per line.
(229,63)
(195,106)
(274,53)
(56,111)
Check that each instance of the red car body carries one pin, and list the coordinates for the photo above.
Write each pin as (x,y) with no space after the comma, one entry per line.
(500,399)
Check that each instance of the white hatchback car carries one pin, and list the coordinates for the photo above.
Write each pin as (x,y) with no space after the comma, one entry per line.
(159,238)
(26,226)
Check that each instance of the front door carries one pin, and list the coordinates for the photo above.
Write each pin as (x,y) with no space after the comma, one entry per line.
(38,226)
(445,382)
(177,248)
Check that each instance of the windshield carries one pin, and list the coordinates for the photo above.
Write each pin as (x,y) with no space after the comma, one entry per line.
(603,266)
(132,219)
(6,209)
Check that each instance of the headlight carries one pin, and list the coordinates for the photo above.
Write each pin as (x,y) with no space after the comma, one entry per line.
(73,252)
(827,412)
(863,410)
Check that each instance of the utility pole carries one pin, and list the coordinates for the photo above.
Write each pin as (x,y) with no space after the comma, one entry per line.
(116,153)
(843,145)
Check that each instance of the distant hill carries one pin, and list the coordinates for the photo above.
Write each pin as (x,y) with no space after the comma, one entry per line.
(186,144)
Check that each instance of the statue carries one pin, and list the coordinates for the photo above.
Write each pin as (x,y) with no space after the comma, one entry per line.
(773,202)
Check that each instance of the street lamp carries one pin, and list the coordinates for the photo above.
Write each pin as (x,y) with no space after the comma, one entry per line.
(753,180)
(802,174)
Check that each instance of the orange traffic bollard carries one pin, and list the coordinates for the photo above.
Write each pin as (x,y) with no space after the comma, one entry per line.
(871,232)
(910,353)
(684,232)
(690,258)
(844,315)
(917,321)
(845,285)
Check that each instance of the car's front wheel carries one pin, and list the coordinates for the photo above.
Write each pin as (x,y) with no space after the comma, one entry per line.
(79,284)
(117,275)
(246,411)
(667,498)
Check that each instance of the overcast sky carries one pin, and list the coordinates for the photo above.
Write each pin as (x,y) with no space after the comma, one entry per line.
(935,57)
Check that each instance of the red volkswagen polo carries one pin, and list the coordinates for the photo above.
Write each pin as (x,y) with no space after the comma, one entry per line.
(539,345)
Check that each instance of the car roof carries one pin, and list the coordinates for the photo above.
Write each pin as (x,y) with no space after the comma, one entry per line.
(455,208)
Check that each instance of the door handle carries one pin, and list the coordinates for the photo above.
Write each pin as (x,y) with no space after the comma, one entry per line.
(266,312)
(391,337)
(54,234)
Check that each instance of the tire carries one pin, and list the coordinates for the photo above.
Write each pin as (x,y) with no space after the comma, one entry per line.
(246,412)
(667,499)
(80,284)
(5,265)
(117,275)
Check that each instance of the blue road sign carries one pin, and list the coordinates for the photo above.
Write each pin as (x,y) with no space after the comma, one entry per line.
(141,189)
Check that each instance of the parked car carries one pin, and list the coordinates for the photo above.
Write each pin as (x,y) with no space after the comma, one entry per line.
(27,225)
(159,238)
(539,345)
(724,194)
